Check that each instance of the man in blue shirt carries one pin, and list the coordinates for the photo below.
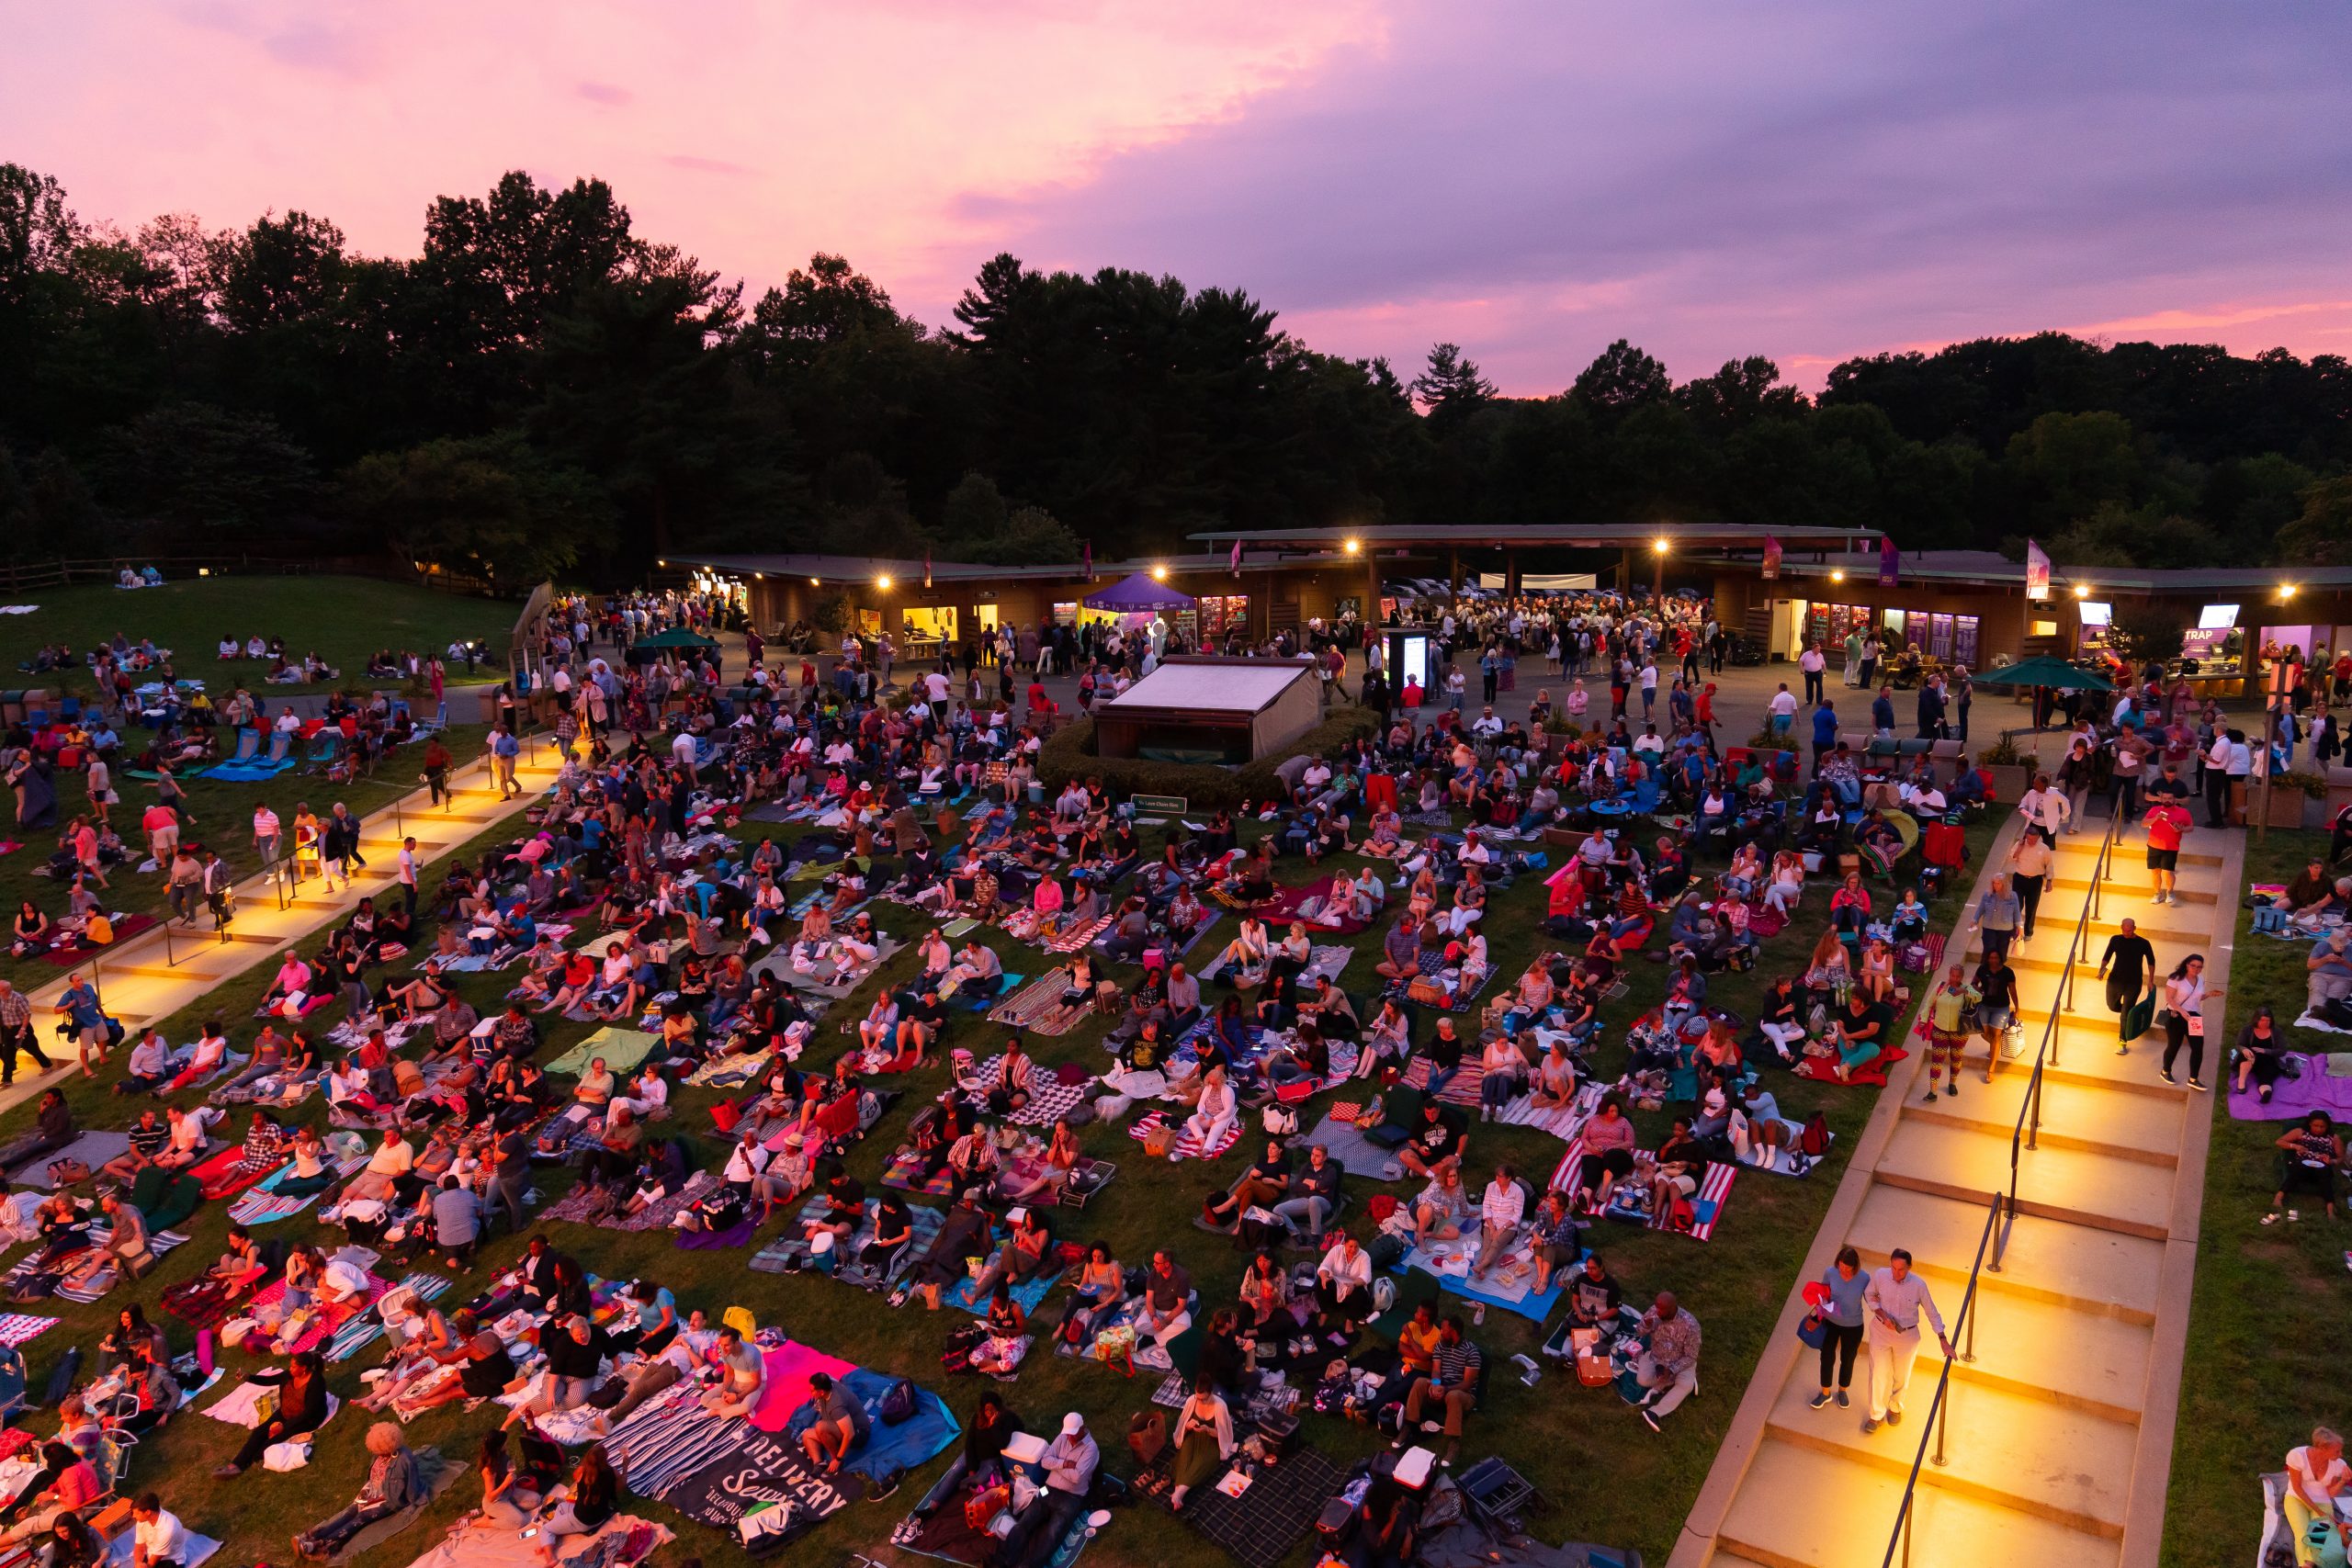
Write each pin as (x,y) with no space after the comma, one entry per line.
(504,748)
(1883,711)
(1824,730)
(80,1006)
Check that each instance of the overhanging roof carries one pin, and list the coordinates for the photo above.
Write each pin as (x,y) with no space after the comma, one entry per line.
(1993,570)
(1573,535)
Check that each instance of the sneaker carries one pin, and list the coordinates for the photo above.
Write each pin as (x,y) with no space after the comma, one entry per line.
(1842,1401)
(1433,1428)
(1895,1419)
(2165,1073)
(1869,1425)
(1649,1419)
(1819,1400)
(2197,1083)
(1930,1094)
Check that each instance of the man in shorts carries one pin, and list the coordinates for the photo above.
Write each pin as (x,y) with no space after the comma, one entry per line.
(2167,820)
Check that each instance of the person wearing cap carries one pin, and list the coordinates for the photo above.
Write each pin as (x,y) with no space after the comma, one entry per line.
(841,1427)
(1071,1461)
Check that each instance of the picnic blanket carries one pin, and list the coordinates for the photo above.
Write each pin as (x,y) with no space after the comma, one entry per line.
(622,1050)
(787,1252)
(1304,903)
(347,1152)
(1462,1088)
(1871,1074)
(2322,1081)
(900,1173)
(330,1319)
(1509,1285)
(827,979)
(1037,1007)
(624,1538)
(20,1328)
(226,1174)
(785,1386)
(1346,1144)
(364,1329)
(93,1148)
(1050,1099)
(1071,939)
(1789,1159)
(579,1206)
(1187,1145)
(1706,1204)
(106,1279)
(72,953)
(1262,1525)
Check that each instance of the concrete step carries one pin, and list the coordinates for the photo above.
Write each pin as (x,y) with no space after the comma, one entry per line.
(2084,1188)
(2120,880)
(2060,1463)
(1800,1507)
(189,972)
(2042,1351)
(2077,846)
(2095,1272)
(2097,1117)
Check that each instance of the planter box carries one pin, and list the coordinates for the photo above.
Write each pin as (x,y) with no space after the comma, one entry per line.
(2009,781)
(2289,808)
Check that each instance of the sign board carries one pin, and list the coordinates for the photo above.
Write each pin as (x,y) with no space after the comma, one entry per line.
(762,1471)
(1160,804)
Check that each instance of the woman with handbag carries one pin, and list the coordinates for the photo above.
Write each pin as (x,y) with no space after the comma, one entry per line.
(1837,1315)
(2185,996)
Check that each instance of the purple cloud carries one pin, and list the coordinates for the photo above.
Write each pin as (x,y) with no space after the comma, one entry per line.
(604,93)
(1808,180)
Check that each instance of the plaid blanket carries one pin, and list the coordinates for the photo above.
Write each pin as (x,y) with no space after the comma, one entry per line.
(1049,1097)
(900,1173)
(579,1206)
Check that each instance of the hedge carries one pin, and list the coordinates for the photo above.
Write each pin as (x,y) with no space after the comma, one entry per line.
(1069,754)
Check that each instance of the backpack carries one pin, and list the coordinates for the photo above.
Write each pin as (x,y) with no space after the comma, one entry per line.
(1814,1142)
(899,1405)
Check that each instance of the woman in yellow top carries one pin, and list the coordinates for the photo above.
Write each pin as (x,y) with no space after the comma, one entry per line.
(1950,1009)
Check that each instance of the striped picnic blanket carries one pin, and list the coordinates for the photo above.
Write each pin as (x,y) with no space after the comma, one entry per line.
(106,1279)
(1037,1007)
(261,1203)
(21,1329)
(1706,1204)
(357,1333)
(1187,1145)
(1078,936)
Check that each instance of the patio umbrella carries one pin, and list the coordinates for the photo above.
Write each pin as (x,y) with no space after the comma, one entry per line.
(2042,672)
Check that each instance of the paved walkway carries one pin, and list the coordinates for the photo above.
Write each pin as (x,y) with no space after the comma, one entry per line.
(2060,1431)
(157,972)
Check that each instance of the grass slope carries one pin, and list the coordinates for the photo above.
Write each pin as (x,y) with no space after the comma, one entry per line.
(1608,1478)
(2268,1334)
(344,620)
(222,814)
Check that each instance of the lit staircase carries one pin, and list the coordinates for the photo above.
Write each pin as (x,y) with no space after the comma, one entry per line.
(2058,1434)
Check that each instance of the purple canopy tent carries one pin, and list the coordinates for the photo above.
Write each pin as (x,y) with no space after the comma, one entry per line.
(1139,594)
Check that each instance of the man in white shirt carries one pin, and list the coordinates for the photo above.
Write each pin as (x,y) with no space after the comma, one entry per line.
(1895,1300)
(158,1539)
(1783,709)
(682,749)
(407,872)
(1812,661)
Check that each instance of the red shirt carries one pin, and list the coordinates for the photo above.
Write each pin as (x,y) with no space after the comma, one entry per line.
(2165,824)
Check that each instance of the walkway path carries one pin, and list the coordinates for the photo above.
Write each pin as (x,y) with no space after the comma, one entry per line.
(2060,1431)
(157,972)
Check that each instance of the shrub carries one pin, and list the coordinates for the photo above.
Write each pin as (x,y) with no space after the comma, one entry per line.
(1069,754)
(2006,753)
(2311,785)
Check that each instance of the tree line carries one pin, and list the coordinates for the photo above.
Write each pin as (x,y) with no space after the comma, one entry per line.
(542,391)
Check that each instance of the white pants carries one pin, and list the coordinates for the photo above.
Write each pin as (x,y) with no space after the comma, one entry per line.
(1678,1388)
(1209,1129)
(1787,1036)
(1891,1358)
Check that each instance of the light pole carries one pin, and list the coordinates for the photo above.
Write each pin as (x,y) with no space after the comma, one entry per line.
(1658,546)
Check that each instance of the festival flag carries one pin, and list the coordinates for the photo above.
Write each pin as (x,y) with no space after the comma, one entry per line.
(1090,560)
(1236,557)
(2037,571)
(1771,557)
(1889,560)
(926,566)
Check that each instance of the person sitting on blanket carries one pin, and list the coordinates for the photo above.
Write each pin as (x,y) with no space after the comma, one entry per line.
(188,1142)
(1445,1052)
(1504,1062)
(1243,960)
(1502,1209)
(1682,1160)
(1214,1117)
(65,1484)
(211,1050)
(302,1409)
(1028,1254)
(1164,1311)
(1609,1143)
(1553,1087)
(1859,1033)
(963,1239)
(1453,1383)
(123,1251)
(1401,950)
(1041,1179)
(1441,1208)
(1263,1186)
(741,1376)
(150,1066)
(65,1231)
(1436,1140)
(977,972)
(149,1137)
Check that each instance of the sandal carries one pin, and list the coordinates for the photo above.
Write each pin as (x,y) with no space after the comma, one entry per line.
(2271,1218)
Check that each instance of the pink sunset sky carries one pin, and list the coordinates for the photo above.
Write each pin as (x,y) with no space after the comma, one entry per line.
(1808,180)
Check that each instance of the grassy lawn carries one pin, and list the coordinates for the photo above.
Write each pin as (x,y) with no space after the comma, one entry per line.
(344,620)
(1608,1477)
(224,815)
(2268,1334)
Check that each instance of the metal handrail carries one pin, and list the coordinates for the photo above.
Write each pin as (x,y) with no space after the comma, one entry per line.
(1963,1325)
(2002,1211)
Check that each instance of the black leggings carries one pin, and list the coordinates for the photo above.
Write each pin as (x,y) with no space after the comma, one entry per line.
(2175,1034)
(1837,1352)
